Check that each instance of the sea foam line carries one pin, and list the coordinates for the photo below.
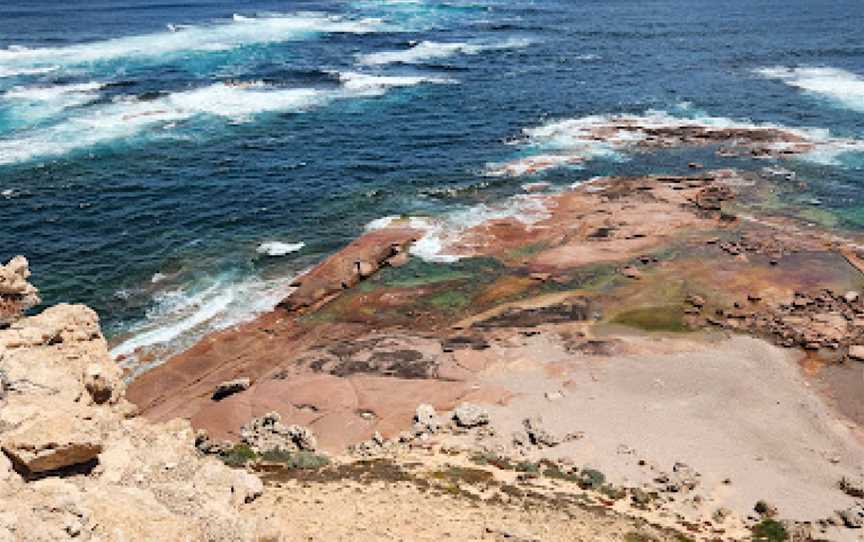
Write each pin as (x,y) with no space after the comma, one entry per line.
(570,142)
(839,86)
(430,50)
(219,36)
(128,118)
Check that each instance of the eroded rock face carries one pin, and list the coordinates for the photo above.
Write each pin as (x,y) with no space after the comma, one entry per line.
(63,412)
(16,294)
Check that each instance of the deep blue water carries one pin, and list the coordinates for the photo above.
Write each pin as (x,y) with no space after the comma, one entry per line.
(138,182)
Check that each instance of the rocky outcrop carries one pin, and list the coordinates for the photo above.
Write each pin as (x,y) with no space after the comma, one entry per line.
(16,294)
(230,387)
(76,464)
(268,433)
(468,415)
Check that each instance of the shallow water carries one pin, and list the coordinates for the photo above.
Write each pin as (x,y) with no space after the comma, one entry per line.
(137,181)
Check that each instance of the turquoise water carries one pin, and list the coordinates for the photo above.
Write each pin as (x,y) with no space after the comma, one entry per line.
(148,149)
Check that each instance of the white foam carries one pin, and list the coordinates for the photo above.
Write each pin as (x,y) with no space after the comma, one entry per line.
(443,234)
(181,316)
(571,142)
(8,71)
(37,102)
(278,248)
(376,84)
(430,50)
(128,118)
(237,32)
(840,86)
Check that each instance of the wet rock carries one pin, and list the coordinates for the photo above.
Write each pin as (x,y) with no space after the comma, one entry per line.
(267,433)
(230,387)
(426,419)
(468,415)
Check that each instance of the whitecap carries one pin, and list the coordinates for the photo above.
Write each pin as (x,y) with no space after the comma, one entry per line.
(839,86)
(376,84)
(430,50)
(128,118)
(278,248)
(239,31)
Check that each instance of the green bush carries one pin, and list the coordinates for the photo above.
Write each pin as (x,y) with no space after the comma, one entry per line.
(770,530)
(296,460)
(238,456)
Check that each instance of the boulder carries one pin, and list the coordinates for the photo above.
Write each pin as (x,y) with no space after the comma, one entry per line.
(100,384)
(268,433)
(426,419)
(853,517)
(856,352)
(52,442)
(468,415)
(854,487)
(537,435)
(230,387)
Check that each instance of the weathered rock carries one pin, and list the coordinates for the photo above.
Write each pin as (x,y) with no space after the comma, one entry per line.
(682,478)
(469,415)
(16,294)
(538,435)
(765,509)
(52,442)
(230,387)
(856,352)
(267,433)
(853,517)
(426,419)
(851,297)
(853,487)
(99,385)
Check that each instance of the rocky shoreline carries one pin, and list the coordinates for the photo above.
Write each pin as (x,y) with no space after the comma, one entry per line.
(650,357)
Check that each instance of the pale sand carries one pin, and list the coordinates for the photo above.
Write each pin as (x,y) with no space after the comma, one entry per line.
(737,409)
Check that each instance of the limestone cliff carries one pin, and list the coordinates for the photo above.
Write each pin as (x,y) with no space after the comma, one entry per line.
(63,412)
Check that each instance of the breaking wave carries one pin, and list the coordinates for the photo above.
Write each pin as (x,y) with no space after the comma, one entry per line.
(181,316)
(220,36)
(128,118)
(841,87)
(443,235)
(430,50)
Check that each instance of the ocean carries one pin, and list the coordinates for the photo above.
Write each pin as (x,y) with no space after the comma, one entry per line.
(175,164)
